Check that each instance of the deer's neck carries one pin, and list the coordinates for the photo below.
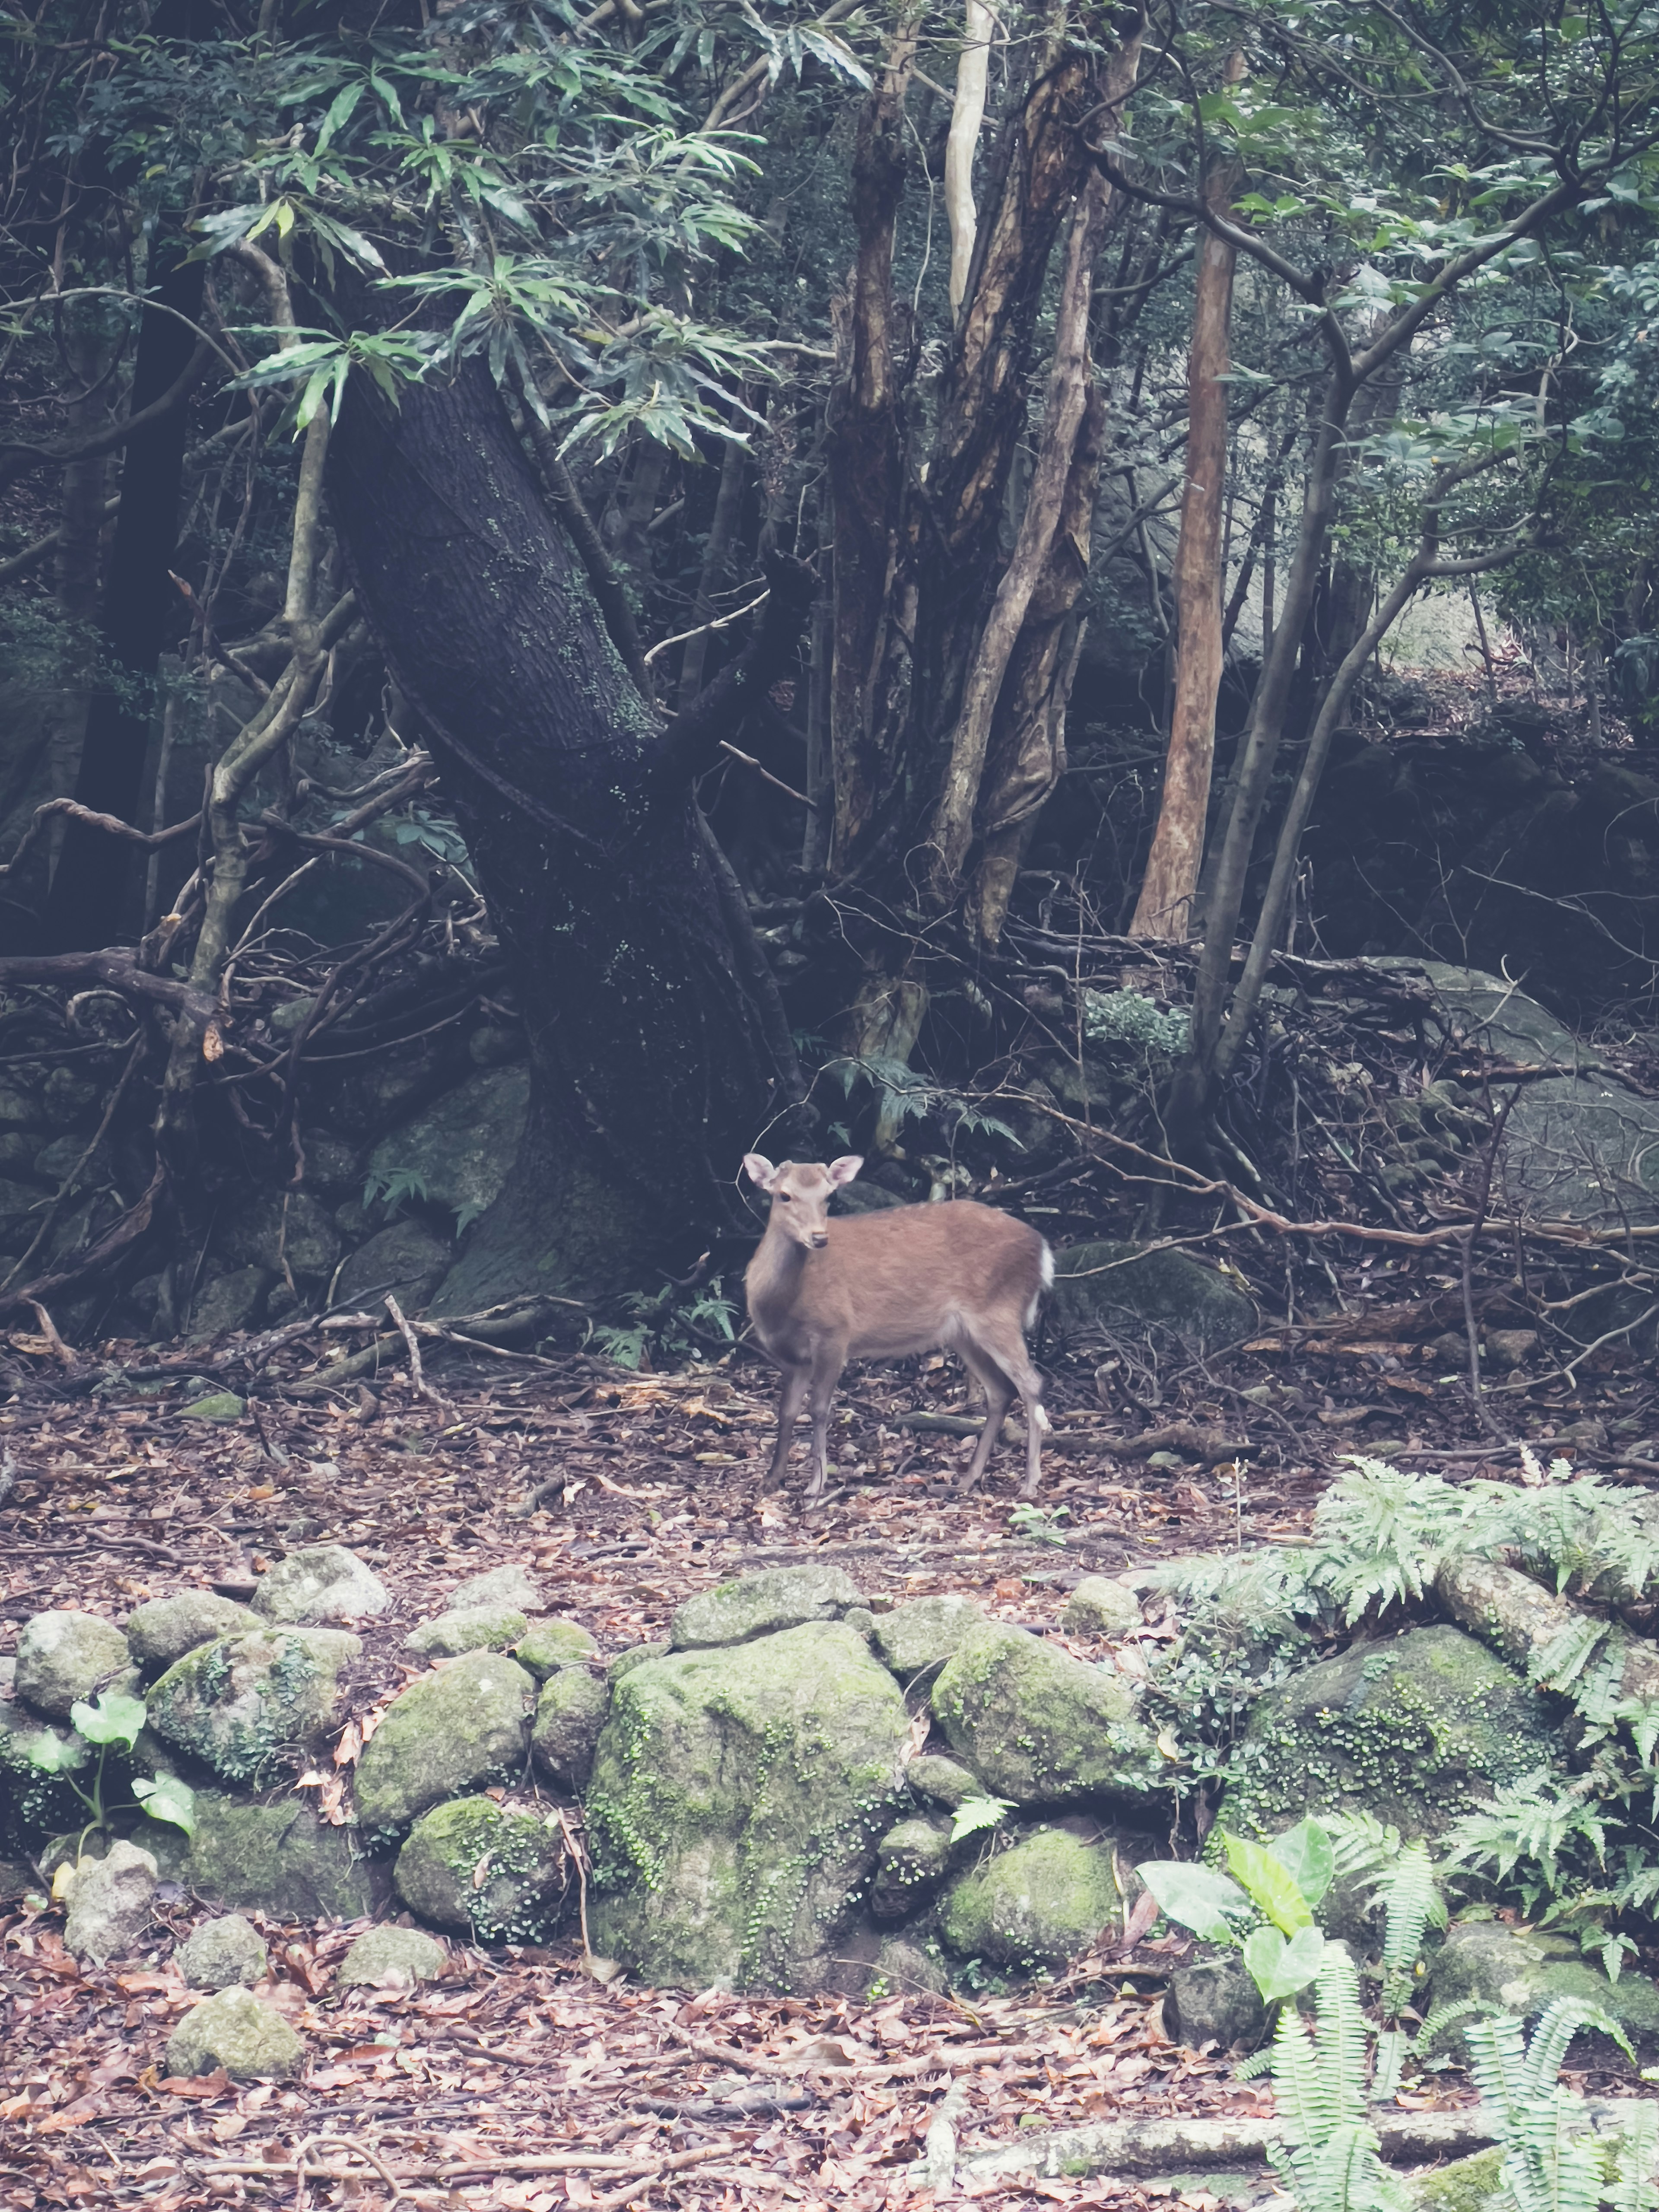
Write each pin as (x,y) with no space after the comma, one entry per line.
(774,1278)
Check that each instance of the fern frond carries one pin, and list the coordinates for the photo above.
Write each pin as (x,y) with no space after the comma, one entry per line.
(1633,2162)
(1411,1902)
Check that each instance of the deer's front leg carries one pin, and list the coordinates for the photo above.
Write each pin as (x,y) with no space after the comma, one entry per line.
(791,1399)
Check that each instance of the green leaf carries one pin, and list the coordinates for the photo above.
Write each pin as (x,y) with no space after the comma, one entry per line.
(110,1718)
(1305,1851)
(1197,1896)
(1269,1884)
(1280,1969)
(168,1799)
(975,1815)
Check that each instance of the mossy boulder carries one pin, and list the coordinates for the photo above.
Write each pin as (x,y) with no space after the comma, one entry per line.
(252,2041)
(221,1953)
(1467,2184)
(163,1629)
(230,1301)
(552,1644)
(1521,1973)
(737,1800)
(319,1583)
(36,1759)
(458,1150)
(110,1904)
(942,1781)
(903,1968)
(249,1706)
(1100,1606)
(1214,2000)
(761,1605)
(1037,1904)
(570,1715)
(1115,1289)
(280,1859)
(925,1633)
(467,1628)
(512,1584)
(391,1958)
(1040,1728)
(498,1876)
(911,1861)
(62,1656)
(1415,1731)
(448,1732)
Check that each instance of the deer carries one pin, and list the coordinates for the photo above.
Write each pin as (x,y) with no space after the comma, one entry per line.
(956,1276)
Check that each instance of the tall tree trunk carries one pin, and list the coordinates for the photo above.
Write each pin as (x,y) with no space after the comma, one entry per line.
(722,529)
(962,144)
(1165,905)
(654,1064)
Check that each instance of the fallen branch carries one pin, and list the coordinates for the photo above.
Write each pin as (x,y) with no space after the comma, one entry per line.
(1521,1619)
(116,967)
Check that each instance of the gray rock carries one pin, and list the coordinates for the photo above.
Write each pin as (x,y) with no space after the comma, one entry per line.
(1117,1289)
(1101,1606)
(941,1781)
(911,1861)
(19,1108)
(626,1662)
(569,1716)
(1214,2000)
(448,1732)
(18,1202)
(250,1706)
(110,1904)
(324,1582)
(217,1406)
(760,1605)
(252,2041)
(905,1969)
(737,1800)
(64,1656)
(513,1585)
(924,1633)
(1037,1905)
(1416,1731)
(231,1301)
(1521,1973)
(281,1860)
(164,1628)
(279,1226)
(408,1259)
(458,1149)
(331,1163)
(1042,1729)
(469,1628)
(392,1957)
(221,1953)
(497,1876)
(1494,1014)
(552,1644)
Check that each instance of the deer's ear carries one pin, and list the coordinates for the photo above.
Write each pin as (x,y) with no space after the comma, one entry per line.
(843,1169)
(759,1170)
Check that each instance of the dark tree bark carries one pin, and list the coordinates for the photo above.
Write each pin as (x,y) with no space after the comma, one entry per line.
(86,906)
(657,1059)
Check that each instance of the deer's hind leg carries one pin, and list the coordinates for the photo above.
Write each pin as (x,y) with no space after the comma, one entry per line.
(999,1396)
(1002,1342)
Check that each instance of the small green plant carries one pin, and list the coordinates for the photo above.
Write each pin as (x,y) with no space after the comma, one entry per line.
(393,1186)
(1553,2159)
(904,1094)
(977,1816)
(670,1326)
(1039,1524)
(1265,1911)
(1126,1018)
(112,1720)
(1331,2160)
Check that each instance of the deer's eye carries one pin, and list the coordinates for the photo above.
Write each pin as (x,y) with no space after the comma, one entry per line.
(783,1198)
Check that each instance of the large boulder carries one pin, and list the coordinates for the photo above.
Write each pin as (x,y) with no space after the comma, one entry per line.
(498,1876)
(760,1605)
(569,1720)
(252,2041)
(1415,1731)
(925,1633)
(1522,1973)
(408,1259)
(221,1953)
(1040,1728)
(457,1152)
(1037,1904)
(64,1656)
(163,1629)
(110,1904)
(250,1706)
(320,1582)
(737,1800)
(450,1732)
(281,1860)
(1119,1289)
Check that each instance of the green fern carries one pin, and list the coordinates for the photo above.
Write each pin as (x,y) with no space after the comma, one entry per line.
(1632,2180)
(975,1815)
(1552,2161)
(1331,2160)
(1525,1829)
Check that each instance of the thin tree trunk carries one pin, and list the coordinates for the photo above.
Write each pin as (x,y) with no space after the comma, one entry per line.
(722,529)
(973,66)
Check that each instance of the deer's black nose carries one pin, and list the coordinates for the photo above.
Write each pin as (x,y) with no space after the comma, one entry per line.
(820,1238)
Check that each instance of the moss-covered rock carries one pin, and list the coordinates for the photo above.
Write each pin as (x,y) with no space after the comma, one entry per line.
(903,1968)
(1467,2184)
(217,1406)
(911,1861)
(408,1259)
(925,1633)
(1415,1730)
(1101,1606)
(321,1582)
(552,1644)
(252,2041)
(62,1656)
(391,1958)
(458,1149)
(736,1798)
(275,1227)
(942,1781)
(280,1859)
(498,1876)
(467,1628)
(249,1706)
(1037,1904)
(162,1629)
(221,1953)
(1214,2000)
(1042,1729)
(110,1904)
(761,1605)
(635,1656)
(513,1585)
(448,1732)
(36,1800)
(1523,1973)
(569,1717)
(1114,1287)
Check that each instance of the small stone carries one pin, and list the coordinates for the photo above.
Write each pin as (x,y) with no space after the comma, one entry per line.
(468,1628)
(942,1781)
(904,1969)
(924,1633)
(252,2041)
(626,1662)
(449,1732)
(1100,1606)
(1037,1905)
(552,1644)
(323,1582)
(497,1876)
(110,1905)
(64,1656)
(911,1861)
(392,1957)
(761,1605)
(514,1586)
(1214,2000)
(217,1406)
(163,1629)
(569,1716)
(1511,1347)
(220,1954)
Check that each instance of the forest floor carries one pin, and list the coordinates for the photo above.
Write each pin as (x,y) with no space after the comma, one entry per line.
(518,2080)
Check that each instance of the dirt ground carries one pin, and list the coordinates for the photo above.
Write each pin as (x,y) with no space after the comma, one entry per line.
(518,2080)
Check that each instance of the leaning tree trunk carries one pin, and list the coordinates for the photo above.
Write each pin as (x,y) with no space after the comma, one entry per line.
(656,1059)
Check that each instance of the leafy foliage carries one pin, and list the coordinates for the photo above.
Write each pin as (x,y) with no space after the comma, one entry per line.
(112,1722)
